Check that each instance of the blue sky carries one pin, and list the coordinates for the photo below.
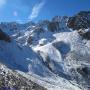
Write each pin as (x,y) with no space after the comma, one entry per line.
(24,10)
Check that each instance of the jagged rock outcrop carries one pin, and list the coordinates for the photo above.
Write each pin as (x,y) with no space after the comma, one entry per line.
(4,36)
(79,21)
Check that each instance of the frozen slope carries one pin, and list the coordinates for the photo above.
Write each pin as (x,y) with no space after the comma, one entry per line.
(65,55)
(21,58)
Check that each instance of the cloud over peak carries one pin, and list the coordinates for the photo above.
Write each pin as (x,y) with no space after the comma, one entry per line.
(36,10)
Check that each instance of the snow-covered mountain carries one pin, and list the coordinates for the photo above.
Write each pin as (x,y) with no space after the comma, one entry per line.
(54,54)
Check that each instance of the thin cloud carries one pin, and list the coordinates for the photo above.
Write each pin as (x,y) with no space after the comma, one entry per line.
(15,13)
(2,3)
(36,10)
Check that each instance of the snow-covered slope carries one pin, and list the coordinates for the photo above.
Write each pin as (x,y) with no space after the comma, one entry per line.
(56,60)
(11,80)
